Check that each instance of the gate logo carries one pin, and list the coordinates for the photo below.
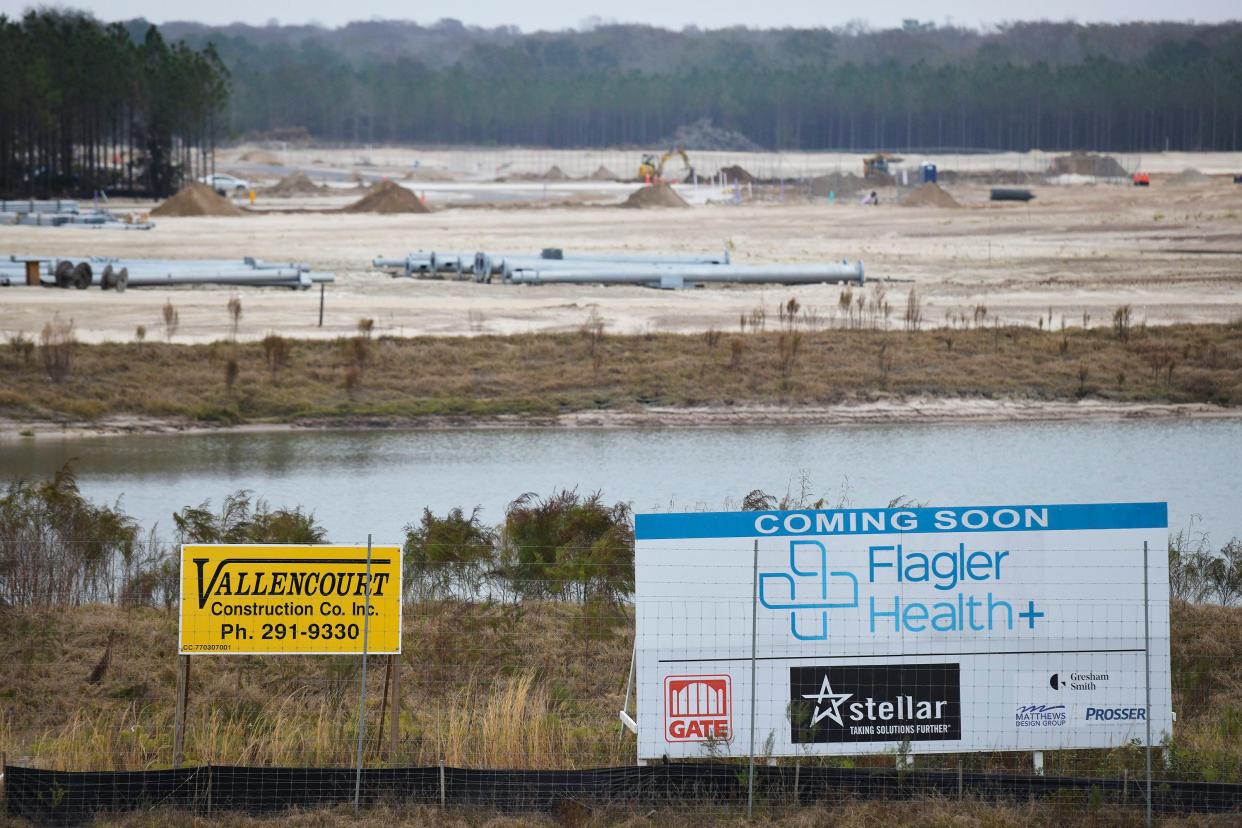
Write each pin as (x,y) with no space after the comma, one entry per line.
(698,708)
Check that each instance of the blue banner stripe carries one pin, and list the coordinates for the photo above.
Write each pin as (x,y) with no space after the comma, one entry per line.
(1046,517)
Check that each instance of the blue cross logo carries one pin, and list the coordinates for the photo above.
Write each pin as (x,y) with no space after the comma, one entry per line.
(807,587)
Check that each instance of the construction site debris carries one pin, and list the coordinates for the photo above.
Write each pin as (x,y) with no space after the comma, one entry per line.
(668,272)
(930,195)
(555,173)
(294,185)
(654,195)
(1011,194)
(738,173)
(118,274)
(62,212)
(197,199)
(604,174)
(704,135)
(388,197)
(1085,163)
(1187,177)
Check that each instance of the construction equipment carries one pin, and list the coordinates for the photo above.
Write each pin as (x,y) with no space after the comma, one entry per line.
(651,170)
(876,166)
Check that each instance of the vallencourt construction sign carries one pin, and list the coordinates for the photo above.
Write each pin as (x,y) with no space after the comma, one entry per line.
(293,599)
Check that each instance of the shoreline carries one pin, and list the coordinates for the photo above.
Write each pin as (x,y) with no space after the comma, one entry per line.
(913,411)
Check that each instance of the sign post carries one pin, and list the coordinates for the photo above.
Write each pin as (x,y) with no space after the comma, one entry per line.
(909,630)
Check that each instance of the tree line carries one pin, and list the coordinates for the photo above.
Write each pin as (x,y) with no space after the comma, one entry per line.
(1131,88)
(87,107)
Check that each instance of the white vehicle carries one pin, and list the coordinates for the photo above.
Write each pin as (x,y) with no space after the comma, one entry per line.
(225,184)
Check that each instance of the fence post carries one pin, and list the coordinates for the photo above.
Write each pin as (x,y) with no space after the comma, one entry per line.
(183,692)
(754,631)
(362,689)
(1147,674)
(394,732)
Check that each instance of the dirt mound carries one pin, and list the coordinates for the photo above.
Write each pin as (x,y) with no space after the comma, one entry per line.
(604,174)
(197,199)
(737,173)
(294,185)
(930,195)
(839,183)
(1186,177)
(555,173)
(388,197)
(704,135)
(654,195)
(260,157)
(1085,163)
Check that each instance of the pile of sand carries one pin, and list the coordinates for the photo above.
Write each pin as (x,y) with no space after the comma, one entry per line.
(197,199)
(930,195)
(1187,177)
(294,185)
(555,173)
(604,174)
(260,157)
(388,197)
(737,173)
(1085,163)
(654,195)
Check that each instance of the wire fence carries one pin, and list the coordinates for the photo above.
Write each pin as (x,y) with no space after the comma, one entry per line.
(508,691)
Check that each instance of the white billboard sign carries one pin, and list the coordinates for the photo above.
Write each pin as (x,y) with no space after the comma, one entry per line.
(923,629)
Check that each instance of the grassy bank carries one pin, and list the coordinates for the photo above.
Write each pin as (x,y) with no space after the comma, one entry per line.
(541,375)
(529,685)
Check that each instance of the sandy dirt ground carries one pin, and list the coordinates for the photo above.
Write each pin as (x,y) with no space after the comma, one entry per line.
(1174,253)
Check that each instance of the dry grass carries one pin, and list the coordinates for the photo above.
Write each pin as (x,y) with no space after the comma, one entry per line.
(531,685)
(919,813)
(548,374)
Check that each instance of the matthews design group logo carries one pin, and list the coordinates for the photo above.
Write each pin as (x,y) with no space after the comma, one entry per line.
(875,703)
(698,708)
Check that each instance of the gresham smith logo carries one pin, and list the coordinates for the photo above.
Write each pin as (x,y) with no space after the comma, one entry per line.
(698,708)
(875,703)
(230,579)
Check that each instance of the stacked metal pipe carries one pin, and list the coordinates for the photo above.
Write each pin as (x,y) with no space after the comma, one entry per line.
(59,212)
(554,266)
(119,274)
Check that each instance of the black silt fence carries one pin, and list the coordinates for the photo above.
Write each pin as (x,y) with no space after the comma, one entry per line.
(67,798)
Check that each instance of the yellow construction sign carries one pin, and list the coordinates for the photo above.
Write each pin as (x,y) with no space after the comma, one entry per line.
(294,599)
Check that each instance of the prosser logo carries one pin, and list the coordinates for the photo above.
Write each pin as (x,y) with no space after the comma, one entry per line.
(698,708)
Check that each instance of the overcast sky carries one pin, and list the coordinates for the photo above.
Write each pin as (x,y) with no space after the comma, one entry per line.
(563,14)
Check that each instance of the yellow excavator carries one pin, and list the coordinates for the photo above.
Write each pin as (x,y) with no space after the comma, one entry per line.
(652,169)
(876,166)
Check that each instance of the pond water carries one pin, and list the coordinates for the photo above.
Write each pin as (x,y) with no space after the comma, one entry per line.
(359,482)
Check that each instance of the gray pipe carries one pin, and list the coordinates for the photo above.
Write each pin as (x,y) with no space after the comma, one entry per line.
(672,277)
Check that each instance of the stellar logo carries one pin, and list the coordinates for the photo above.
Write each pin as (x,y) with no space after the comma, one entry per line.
(698,708)
(875,703)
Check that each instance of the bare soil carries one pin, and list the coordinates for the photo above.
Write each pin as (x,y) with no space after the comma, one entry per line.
(197,199)
(1075,254)
(655,195)
(388,198)
(930,195)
